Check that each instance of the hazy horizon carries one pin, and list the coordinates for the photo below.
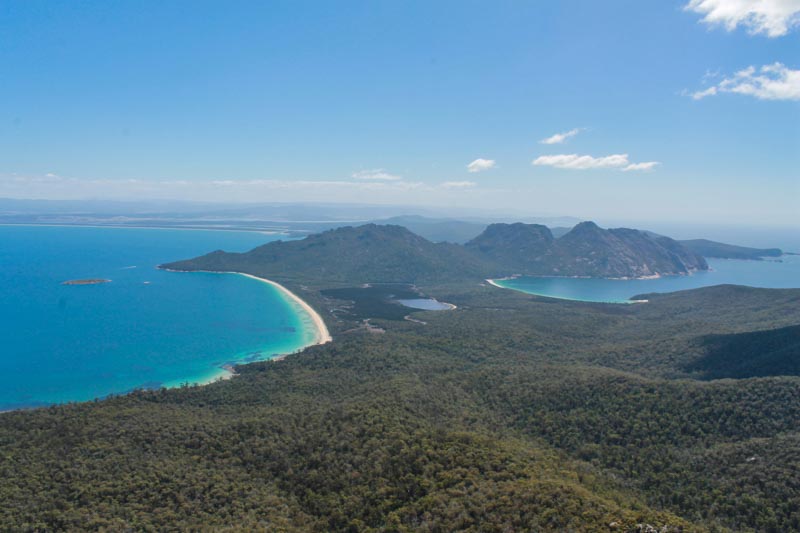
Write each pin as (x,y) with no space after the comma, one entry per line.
(756,235)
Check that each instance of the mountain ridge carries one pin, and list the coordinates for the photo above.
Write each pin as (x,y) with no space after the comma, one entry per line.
(587,250)
(390,253)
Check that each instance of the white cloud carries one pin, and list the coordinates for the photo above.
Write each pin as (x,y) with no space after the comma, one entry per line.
(559,138)
(581,162)
(479,165)
(770,82)
(458,185)
(584,162)
(711,91)
(377,174)
(649,165)
(773,18)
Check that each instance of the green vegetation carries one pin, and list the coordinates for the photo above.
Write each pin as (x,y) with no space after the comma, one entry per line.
(365,254)
(373,301)
(392,254)
(753,354)
(708,248)
(512,412)
(585,250)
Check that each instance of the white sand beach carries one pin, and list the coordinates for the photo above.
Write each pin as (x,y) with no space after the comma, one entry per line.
(322,334)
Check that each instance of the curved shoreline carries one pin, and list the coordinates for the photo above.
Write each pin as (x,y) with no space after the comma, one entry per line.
(321,333)
(613,302)
(323,336)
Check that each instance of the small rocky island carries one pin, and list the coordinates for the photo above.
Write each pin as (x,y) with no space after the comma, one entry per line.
(92,281)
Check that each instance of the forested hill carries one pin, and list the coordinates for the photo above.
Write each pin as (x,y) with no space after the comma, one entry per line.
(363,254)
(376,253)
(586,250)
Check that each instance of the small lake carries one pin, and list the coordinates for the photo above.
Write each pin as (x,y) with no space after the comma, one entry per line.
(428,304)
(778,274)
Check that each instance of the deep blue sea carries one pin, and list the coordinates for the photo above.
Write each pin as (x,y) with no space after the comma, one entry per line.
(63,343)
(767,273)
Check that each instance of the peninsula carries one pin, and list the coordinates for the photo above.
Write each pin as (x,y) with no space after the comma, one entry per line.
(393,254)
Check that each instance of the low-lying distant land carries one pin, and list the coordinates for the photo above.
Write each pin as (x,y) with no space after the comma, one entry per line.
(88,281)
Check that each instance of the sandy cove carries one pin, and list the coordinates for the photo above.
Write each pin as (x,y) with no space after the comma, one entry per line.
(322,336)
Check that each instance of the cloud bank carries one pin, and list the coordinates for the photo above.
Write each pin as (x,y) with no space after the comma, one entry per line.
(585,162)
(649,165)
(458,185)
(773,18)
(377,174)
(769,82)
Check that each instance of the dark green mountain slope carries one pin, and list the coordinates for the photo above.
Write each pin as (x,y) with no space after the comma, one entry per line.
(586,250)
(363,254)
(516,246)
(774,352)
(621,252)
(393,254)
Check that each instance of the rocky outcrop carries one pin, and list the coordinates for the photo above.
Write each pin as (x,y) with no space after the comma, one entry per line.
(587,251)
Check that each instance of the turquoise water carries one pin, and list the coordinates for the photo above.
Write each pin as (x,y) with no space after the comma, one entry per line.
(769,274)
(71,343)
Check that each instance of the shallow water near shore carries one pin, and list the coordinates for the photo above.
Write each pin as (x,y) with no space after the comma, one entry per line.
(782,274)
(146,328)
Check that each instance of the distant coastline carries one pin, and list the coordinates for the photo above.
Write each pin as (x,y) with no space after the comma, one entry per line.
(321,333)
(125,226)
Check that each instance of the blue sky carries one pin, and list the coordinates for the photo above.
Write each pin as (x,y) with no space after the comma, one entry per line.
(389,102)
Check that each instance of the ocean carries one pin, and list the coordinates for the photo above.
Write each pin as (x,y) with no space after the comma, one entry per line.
(147,328)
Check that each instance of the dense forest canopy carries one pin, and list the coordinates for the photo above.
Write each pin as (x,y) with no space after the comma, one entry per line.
(510,413)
